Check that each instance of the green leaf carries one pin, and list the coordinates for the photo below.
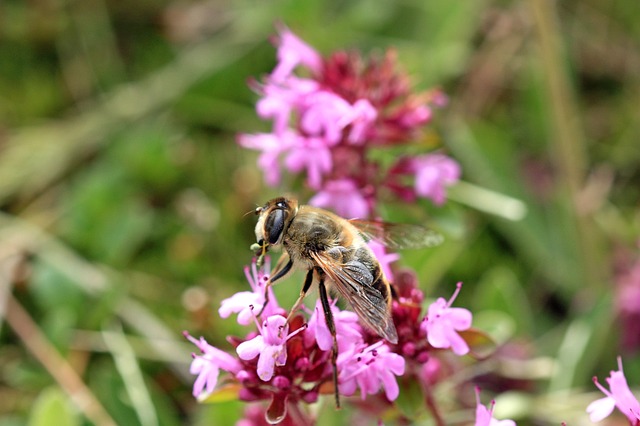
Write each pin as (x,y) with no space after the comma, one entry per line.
(53,408)
(224,393)
(410,401)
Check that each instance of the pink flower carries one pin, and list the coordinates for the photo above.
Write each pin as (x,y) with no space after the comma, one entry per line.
(342,196)
(326,114)
(416,116)
(348,330)
(384,258)
(484,415)
(279,100)
(248,303)
(443,322)
(433,173)
(271,146)
(364,115)
(293,52)
(269,345)
(370,368)
(312,154)
(620,396)
(208,365)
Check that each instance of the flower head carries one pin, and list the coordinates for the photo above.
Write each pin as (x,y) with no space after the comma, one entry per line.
(208,365)
(325,124)
(619,396)
(292,51)
(370,368)
(271,147)
(432,174)
(312,154)
(269,346)
(247,303)
(443,322)
(348,329)
(342,196)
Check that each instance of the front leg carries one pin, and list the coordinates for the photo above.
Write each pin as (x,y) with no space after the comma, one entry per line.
(305,288)
(279,271)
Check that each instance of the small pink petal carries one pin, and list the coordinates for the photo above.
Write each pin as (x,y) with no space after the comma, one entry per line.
(251,348)
(600,409)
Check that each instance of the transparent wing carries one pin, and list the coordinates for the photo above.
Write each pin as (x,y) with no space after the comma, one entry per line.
(354,282)
(398,235)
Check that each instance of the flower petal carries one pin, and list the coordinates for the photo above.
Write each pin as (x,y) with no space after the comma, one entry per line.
(600,408)
(251,348)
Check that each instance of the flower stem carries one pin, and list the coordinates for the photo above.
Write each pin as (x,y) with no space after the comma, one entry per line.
(433,407)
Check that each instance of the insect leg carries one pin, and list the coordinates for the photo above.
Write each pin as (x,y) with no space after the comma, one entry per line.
(328,317)
(278,273)
(305,288)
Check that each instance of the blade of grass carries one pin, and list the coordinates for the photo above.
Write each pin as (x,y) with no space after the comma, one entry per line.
(36,342)
(567,138)
(127,365)
(94,281)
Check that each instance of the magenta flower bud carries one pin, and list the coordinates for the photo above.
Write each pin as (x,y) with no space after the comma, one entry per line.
(302,363)
(409,349)
(310,397)
(423,357)
(281,382)
(244,376)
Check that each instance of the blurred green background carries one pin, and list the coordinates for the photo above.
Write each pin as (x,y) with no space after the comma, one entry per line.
(123,193)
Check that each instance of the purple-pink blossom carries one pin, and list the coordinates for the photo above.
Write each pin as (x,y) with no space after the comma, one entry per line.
(325,114)
(484,415)
(280,100)
(619,395)
(208,365)
(292,51)
(443,323)
(364,115)
(312,154)
(343,197)
(348,329)
(384,258)
(370,368)
(269,345)
(248,303)
(271,147)
(325,124)
(434,172)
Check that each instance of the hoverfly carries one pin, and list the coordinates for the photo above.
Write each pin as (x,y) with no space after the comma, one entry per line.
(334,252)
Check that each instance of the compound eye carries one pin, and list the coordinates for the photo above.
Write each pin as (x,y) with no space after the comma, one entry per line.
(281,205)
(274,225)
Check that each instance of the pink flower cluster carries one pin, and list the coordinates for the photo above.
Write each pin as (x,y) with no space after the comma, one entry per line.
(325,124)
(289,364)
